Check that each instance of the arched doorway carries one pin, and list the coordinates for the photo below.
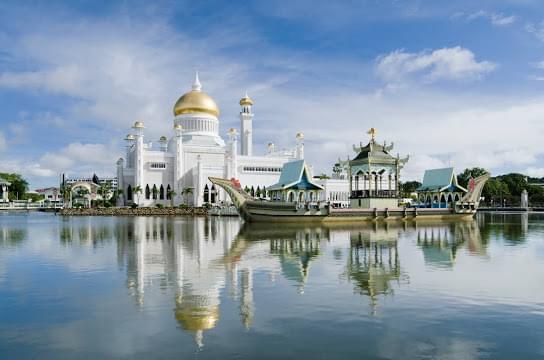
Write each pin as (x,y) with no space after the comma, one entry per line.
(291,197)
(206,193)
(129,193)
(147,192)
(168,192)
(442,202)
(301,196)
(161,192)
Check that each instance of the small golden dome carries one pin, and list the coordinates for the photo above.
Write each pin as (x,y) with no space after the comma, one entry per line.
(129,137)
(246,100)
(300,136)
(163,139)
(138,125)
(196,101)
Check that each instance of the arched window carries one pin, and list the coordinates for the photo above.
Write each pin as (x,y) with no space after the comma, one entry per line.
(155,191)
(291,197)
(161,193)
(206,193)
(147,192)
(264,191)
(213,194)
(168,192)
(129,192)
(301,196)
(252,191)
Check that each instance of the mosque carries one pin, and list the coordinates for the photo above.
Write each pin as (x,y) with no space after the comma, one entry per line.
(176,169)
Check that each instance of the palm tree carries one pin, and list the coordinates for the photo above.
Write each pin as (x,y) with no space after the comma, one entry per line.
(82,192)
(186,192)
(138,191)
(119,193)
(155,192)
(171,194)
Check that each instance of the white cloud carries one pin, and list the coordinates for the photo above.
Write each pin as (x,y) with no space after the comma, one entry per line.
(496,19)
(454,63)
(535,172)
(536,29)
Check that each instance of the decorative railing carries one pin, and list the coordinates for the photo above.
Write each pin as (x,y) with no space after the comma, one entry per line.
(361,194)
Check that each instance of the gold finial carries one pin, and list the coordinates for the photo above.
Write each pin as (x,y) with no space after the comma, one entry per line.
(372,132)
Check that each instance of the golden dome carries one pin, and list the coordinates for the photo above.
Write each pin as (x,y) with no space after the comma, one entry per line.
(138,125)
(129,137)
(196,101)
(246,100)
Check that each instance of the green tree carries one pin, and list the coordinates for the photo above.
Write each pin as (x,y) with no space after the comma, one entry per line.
(516,183)
(118,193)
(18,187)
(186,192)
(171,194)
(323,176)
(409,187)
(465,176)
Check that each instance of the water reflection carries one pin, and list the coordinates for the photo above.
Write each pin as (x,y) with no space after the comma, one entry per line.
(203,272)
(374,262)
(440,242)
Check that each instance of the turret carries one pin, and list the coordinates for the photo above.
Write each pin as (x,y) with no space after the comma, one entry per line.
(246,125)
(178,159)
(232,155)
(138,153)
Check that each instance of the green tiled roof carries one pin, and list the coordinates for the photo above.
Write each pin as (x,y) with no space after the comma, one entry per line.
(292,174)
(439,179)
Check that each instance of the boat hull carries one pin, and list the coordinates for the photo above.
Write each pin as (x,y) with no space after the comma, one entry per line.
(270,212)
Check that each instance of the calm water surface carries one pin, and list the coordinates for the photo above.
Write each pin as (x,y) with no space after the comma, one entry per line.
(102,287)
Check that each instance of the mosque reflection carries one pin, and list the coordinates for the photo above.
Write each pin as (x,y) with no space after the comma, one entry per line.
(200,260)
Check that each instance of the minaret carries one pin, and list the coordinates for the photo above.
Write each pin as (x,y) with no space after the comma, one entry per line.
(232,160)
(120,180)
(300,146)
(246,125)
(129,139)
(178,160)
(139,154)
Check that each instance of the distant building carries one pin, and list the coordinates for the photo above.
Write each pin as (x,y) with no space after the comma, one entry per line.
(51,194)
(112,181)
(440,188)
(4,190)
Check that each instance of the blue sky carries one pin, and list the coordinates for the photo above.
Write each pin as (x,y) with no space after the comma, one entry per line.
(449,82)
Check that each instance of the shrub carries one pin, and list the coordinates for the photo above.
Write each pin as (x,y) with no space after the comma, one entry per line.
(134,205)
(159,206)
(183,206)
(207,206)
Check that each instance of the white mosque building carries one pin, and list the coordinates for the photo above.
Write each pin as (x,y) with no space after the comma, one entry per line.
(163,169)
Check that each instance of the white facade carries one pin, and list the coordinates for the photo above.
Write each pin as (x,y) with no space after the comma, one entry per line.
(194,152)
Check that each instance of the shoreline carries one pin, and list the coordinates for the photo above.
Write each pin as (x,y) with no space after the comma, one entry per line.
(140,211)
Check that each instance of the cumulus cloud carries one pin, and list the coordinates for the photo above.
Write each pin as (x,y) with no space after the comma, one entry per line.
(496,19)
(454,63)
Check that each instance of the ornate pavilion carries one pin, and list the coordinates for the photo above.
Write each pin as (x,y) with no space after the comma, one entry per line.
(374,175)
(295,184)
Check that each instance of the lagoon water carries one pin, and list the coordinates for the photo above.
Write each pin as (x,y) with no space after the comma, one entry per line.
(140,288)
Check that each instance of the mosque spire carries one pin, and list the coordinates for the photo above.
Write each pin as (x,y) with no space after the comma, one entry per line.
(196,85)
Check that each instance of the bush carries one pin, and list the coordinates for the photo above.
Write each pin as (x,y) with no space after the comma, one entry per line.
(159,206)
(207,206)
(183,206)
(134,205)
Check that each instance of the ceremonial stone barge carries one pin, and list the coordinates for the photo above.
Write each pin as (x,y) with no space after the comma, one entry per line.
(374,187)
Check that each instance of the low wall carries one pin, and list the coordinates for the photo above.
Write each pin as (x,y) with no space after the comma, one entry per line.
(141,211)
